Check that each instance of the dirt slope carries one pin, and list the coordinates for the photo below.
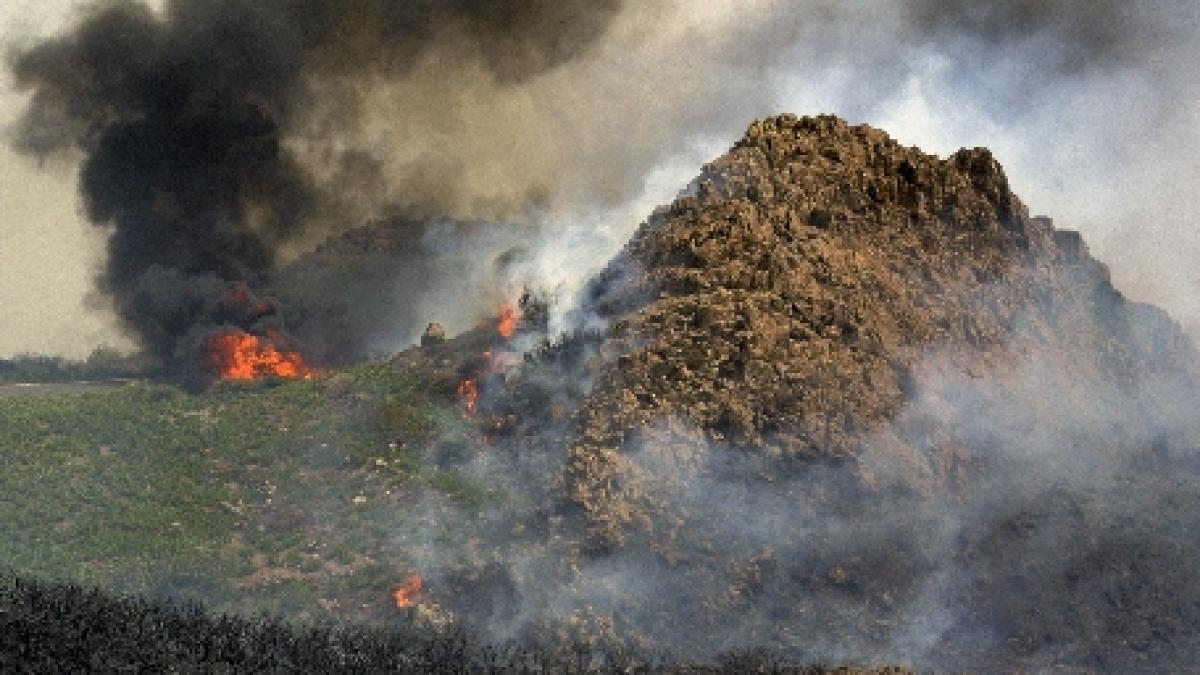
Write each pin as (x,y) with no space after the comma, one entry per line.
(853,402)
(785,304)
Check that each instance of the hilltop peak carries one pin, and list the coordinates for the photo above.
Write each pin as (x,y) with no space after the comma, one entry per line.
(790,300)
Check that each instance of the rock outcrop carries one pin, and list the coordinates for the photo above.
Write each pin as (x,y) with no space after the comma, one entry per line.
(792,299)
(850,401)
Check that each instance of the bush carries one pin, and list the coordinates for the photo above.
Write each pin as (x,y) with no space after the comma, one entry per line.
(104,363)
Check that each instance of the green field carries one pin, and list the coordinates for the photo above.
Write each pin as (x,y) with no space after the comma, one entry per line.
(301,497)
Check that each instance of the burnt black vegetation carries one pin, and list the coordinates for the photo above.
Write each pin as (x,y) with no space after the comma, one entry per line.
(55,628)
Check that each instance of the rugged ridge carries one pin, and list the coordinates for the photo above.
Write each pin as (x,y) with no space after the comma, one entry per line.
(784,303)
(853,401)
(841,399)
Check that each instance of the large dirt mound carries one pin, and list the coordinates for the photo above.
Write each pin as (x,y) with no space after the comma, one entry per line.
(853,401)
(787,302)
(847,401)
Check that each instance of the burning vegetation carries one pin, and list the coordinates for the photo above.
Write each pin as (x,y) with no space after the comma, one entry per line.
(489,363)
(195,129)
(407,594)
(468,392)
(508,320)
(250,343)
(238,355)
(764,434)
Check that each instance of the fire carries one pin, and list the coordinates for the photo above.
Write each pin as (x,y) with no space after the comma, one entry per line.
(407,594)
(468,391)
(238,355)
(468,388)
(508,320)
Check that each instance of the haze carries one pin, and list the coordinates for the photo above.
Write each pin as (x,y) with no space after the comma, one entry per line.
(1093,108)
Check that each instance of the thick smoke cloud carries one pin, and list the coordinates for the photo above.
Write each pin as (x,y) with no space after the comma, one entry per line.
(581,117)
(185,121)
(1079,34)
(1089,105)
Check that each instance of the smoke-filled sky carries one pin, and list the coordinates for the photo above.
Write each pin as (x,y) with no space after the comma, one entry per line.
(577,116)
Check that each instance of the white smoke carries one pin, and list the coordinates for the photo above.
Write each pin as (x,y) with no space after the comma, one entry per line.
(1091,107)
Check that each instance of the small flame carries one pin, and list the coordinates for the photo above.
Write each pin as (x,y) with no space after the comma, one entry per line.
(238,355)
(508,320)
(468,391)
(468,388)
(407,594)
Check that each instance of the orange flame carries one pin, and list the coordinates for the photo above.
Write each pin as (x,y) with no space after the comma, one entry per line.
(407,594)
(508,320)
(238,355)
(468,391)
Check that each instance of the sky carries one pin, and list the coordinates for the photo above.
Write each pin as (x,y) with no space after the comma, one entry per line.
(1092,107)
(47,251)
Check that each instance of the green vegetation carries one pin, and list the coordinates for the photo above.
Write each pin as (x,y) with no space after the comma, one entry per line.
(104,363)
(298,497)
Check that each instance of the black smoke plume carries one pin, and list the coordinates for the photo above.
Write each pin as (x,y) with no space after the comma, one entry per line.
(188,124)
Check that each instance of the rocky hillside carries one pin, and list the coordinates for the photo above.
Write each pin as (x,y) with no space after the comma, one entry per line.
(847,401)
(792,301)
(841,400)
(853,401)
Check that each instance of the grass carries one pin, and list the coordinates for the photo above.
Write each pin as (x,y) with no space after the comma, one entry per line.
(277,496)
